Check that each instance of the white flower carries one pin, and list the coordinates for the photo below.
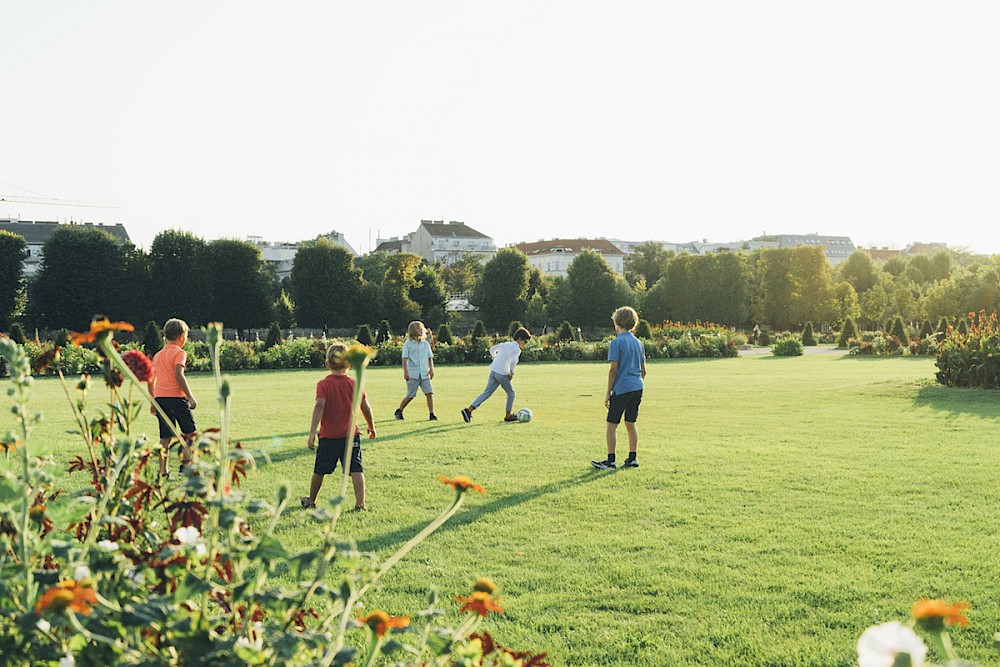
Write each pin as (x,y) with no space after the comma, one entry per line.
(880,644)
(67,660)
(188,535)
(107,545)
(43,625)
(81,573)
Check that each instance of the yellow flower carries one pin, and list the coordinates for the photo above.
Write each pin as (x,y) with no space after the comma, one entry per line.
(484,584)
(99,327)
(461,483)
(933,614)
(359,355)
(380,622)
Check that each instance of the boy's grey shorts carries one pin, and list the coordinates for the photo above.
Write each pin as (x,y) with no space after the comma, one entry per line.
(423,383)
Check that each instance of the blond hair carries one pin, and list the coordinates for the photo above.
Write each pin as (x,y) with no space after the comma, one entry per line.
(336,357)
(626,318)
(174,328)
(415,330)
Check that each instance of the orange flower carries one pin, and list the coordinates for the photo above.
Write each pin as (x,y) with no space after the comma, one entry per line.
(933,614)
(9,445)
(480,602)
(98,327)
(461,483)
(380,622)
(69,594)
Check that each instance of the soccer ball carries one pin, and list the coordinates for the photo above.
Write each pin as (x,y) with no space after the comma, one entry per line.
(523,415)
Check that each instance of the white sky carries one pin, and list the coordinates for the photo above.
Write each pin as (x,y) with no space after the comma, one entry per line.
(674,121)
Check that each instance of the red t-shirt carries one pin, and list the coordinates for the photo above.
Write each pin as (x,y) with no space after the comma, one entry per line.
(338,390)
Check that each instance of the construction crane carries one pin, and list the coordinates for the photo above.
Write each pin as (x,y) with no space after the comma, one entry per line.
(52,201)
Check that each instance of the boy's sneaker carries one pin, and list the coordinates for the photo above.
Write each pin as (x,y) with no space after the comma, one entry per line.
(398,414)
(510,418)
(630,463)
(306,502)
(432,418)
(603,465)
(466,415)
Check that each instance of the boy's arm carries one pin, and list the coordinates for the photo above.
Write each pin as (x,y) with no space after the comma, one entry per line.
(612,373)
(430,366)
(643,367)
(366,410)
(314,425)
(151,385)
(406,370)
(183,384)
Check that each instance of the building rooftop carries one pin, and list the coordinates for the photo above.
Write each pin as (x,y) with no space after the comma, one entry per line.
(442,229)
(544,247)
(36,232)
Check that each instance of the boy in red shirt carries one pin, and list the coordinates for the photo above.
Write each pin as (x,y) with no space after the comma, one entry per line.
(331,416)
(171,391)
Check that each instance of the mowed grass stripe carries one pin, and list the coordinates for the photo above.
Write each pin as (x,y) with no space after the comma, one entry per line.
(782,505)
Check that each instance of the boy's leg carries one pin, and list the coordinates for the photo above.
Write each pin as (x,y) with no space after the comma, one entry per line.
(164,456)
(612,438)
(358,479)
(315,484)
(491,386)
(405,402)
(509,390)
(430,402)
(633,438)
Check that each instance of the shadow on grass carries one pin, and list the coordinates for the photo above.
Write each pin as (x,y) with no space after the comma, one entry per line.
(286,451)
(960,401)
(393,540)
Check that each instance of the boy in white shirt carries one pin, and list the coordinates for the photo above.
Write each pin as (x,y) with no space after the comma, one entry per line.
(505,356)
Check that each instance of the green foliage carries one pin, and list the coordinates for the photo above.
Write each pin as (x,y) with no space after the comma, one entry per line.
(808,337)
(443,335)
(325,285)
(592,284)
(848,332)
(502,293)
(13,252)
(284,311)
(430,294)
(764,339)
(512,327)
(926,330)
(479,329)
(566,331)
(462,275)
(643,330)
(152,338)
(859,271)
(273,335)
(647,261)
(384,332)
(971,358)
(364,335)
(397,286)
(789,346)
(180,282)
(240,284)
(17,333)
(877,344)
(898,329)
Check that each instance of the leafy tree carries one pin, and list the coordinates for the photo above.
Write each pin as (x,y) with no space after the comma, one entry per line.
(858,270)
(13,252)
(657,303)
(812,277)
(364,335)
(647,262)
(17,333)
(136,304)
(152,338)
(400,279)
(903,299)
(371,304)
(273,335)
(373,266)
(284,311)
(240,284)
(534,314)
(895,265)
(559,304)
(845,302)
(873,304)
(502,292)
(443,334)
(777,287)
(429,293)
(325,285)
(808,337)
(180,284)
(82,274)
(462,275)
(847,333)
(592,288)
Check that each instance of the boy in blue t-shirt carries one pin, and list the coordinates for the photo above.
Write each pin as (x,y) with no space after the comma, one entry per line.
(628,368)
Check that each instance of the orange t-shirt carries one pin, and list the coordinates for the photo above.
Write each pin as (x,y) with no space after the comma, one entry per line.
(338,391)
(164,361)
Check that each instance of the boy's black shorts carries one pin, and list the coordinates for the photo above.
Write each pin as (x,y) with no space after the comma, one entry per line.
(627,404)
(331,450)
(179,412)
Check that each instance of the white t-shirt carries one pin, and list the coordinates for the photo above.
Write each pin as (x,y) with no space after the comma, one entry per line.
(505,356)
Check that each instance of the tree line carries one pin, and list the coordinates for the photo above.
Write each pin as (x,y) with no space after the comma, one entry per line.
(84,271)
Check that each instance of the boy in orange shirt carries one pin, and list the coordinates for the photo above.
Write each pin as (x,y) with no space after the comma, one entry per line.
(331,416)
(171,391)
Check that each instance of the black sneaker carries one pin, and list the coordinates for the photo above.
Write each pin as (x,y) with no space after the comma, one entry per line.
(432,418)
(630,463)
(603,465)
(398,414)
(510,418)
(466,415)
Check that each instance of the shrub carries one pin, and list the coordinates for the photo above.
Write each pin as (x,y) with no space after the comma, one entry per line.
(808,337)
(384,333)
(479,329)
(273,336)
(514,326)
(443,335)
(972,358)
(787,347)
(963,327)
(764,339)
(898,329)
(926,330)
(237,355)
(152,339)
(942,328)
(364,335)
(17,333)
(60,337)
(847,333)
(566,331)
(284,311)
(643,330)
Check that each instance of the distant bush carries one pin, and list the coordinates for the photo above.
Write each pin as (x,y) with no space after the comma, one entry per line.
(514,326)
(808,337)
(643,330)
(152,339)
(479,330)
(364,335)
(443,335)
(566,332)
(273,336)
(898,329)
(787,347)
(847,333)
(764,339)
(17,333)
(384,333)
(972,358)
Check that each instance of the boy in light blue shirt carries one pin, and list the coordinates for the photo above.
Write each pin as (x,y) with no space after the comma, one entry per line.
(625,385)
(418,368)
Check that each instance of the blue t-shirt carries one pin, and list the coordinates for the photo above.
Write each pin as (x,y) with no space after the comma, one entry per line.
(628,351)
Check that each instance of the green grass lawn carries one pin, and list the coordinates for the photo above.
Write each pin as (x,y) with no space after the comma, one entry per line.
(782,506)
